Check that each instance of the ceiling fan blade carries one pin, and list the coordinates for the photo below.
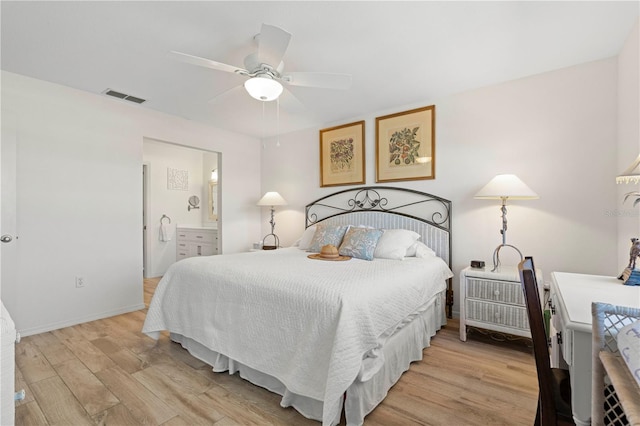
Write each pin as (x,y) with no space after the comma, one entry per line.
(203,62)
(272,45)
(318,79)
(234,92)
(291,104)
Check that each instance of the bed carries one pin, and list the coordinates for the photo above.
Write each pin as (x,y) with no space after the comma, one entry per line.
(330,337)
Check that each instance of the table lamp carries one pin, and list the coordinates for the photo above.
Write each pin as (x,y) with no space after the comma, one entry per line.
(631,175)
(271,199)
(503,187)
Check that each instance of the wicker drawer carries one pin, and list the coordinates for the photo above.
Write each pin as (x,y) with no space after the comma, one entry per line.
(495,291)
(494,313)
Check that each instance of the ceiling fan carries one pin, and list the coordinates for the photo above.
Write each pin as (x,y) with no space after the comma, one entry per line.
(265,67)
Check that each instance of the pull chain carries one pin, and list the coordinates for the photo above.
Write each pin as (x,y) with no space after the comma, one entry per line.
(264,145)
(278,121)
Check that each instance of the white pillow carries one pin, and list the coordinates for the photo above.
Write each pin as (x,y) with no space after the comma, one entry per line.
(365,226)
(306,238)
(629,347)
(419,249)
(393,243)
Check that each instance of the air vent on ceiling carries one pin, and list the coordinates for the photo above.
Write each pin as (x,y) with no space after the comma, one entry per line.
(124,96)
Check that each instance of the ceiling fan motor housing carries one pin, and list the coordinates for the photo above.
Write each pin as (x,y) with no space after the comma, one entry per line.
(253,65)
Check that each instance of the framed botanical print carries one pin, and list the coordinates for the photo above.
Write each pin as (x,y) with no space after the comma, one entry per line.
(342,155)
(405,145)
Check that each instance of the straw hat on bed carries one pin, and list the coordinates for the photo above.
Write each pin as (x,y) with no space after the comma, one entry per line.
(328,252)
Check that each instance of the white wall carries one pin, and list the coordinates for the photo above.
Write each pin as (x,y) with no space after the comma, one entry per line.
(628,138)
(556,131)
(80,199)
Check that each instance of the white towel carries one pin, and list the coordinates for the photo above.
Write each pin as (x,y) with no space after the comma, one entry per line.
(165,232)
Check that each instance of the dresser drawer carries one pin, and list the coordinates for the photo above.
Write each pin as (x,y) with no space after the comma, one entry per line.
(203,250)
(194,235)
(495,291)
(494,313)
(563,338)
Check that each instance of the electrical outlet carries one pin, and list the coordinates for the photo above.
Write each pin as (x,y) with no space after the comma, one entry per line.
(79,282)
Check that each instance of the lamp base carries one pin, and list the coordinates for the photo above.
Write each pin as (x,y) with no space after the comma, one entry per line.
(275,245)
(496,255)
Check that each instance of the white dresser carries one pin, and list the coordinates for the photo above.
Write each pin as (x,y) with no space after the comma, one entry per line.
(195,241)
(493,301)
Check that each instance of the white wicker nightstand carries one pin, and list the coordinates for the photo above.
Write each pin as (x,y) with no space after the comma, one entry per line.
(493,301)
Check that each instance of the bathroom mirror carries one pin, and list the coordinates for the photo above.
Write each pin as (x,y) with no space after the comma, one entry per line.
(194,202)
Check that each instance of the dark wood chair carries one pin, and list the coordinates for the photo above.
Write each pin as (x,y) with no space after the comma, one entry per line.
(554,398)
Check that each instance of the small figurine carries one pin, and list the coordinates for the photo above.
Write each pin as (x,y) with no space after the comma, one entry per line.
(634,253)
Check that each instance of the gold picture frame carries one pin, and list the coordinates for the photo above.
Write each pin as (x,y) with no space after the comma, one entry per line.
(342,155)
(213,200)
(405,145)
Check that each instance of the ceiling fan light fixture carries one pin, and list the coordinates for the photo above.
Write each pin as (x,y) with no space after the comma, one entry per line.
(263,88)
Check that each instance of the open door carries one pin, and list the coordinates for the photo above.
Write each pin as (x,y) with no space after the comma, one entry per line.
(8,216)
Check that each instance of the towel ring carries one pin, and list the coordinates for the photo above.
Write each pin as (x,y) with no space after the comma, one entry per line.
(164,216)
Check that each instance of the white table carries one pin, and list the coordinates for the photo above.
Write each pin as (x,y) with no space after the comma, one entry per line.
(571,297)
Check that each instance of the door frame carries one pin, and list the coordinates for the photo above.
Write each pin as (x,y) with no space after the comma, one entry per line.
(146,174)
(8,207)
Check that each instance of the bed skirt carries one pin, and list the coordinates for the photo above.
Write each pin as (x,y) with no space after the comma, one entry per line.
(380,370)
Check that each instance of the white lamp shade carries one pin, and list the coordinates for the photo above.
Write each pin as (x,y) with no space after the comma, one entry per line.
(263,88)
(272,199)
(631,174)
(214,175)
(506,186)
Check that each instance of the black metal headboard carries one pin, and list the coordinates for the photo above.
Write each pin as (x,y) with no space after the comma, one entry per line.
(390,208)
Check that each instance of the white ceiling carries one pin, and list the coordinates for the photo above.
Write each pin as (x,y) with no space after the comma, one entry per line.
(399,53)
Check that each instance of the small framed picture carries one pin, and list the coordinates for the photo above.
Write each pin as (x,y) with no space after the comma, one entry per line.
(342,155)
(405,145)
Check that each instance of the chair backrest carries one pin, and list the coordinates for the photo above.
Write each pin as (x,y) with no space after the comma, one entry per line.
(539,338)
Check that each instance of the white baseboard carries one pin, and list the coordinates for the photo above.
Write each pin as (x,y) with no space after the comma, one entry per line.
(76,321)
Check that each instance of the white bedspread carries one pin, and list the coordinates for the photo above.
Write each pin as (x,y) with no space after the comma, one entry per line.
(309,333)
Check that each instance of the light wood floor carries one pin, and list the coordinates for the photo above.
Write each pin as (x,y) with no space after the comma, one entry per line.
(107,372)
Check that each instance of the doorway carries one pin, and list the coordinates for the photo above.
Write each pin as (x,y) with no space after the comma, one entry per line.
(173,177)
